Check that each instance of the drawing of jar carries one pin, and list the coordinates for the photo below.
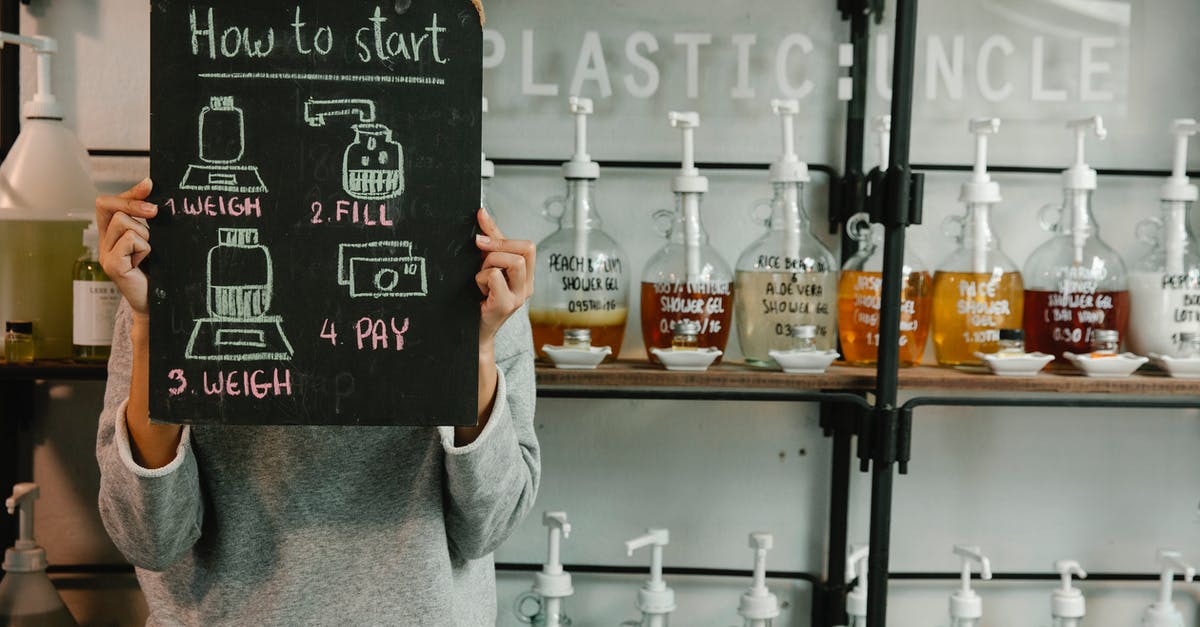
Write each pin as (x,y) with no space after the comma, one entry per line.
(239,275)
(373,166)
(222,131)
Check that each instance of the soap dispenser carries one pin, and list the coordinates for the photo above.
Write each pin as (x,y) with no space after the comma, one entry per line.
(787,277)
(1074,283)
(583,281)
(759,607)
(686,279)
(1163,612)
(1164,285)
(856,599)
(966,608)
(1066,603)
(977,290)
(655,600)
(552,585)
(860,289)
(487,171)
(27,597)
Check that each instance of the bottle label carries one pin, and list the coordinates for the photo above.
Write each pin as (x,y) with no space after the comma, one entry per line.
(587,283)
(771,303)
(95,312)
(1161,307)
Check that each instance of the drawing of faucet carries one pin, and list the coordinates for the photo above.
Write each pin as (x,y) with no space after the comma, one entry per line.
(373,164)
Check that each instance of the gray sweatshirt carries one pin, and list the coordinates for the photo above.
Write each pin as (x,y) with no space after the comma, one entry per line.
(323,525)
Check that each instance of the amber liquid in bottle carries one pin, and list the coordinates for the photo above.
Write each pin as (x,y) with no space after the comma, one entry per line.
(1056,322)
(710,304)
(969,309)
(859,298)
(607,327)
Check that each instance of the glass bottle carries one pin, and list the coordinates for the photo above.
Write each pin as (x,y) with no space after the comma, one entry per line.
(95,303)
(685,336)
(19,347)
(1012,343)
(578,339)
(1164,285)
(977,290)
(583,281)
(787,277)
(686,279)
(804,338)
(1075,283)
(1105,343)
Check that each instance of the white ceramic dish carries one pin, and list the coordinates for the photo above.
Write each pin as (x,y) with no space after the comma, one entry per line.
(576,359)
(803,362)
(1027,365)
(1121,365)
(687,361)
(1179,367)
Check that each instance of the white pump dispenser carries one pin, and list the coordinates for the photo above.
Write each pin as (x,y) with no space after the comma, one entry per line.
(655,600)
(690,184)
(980,191)
(759,606)
(581,165)
(882,125)
(1081,177)
(1177,192)
(1163,612)
(966,608)
(789,169)
(856,599)
(552,584)
(1066,603)
(44,104)
(27,597)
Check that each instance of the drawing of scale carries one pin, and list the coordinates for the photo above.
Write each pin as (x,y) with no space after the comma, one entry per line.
(373,164)
(238,295)
(222,134)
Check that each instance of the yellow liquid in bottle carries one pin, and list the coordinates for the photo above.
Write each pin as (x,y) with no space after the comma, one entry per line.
(969,309)
(607,327)
(859,299)
(36,261)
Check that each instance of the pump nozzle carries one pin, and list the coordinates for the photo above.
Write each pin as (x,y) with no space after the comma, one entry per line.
(552,583)
(1079,175)
(654,598)
(981,188)
(689,179)
(758,604)
(559,528)
(487,169)
(1067,601)
(25,556)
(581,165)
(1163,613)
(882,125)
(788,168)
(856,567)
(1178,187)
(964,603)
(43,104)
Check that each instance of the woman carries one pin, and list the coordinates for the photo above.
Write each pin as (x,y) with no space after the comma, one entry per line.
(317,525)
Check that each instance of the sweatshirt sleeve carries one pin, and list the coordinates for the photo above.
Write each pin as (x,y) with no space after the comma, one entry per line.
(492,482)
(153,516)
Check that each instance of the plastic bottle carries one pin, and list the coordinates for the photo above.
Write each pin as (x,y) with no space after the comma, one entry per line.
(758,606)
(655,600)
(860,289)
(1074,283)
(584,278)
(95,303)
(966,608)
(1163,613)
(977,290)
(552,585)
(27,597)
(686,279)
(787,277)
(1164,285)
(1066,603)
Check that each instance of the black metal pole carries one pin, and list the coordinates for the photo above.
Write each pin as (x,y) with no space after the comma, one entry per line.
(896,218)
(850,188)
(10,80)
(839,515)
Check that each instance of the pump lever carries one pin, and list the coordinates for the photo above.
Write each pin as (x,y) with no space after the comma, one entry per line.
(23,493)
(1065,569)
(973,554)
(1173,560)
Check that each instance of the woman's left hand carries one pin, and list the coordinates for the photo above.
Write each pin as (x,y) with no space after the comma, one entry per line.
(506,279)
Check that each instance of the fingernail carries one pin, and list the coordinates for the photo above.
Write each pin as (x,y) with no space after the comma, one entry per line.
(485,212)
(149,207)
(147,182)
(483,239)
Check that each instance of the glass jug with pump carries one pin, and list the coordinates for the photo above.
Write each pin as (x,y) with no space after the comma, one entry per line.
(977,290)
(787,277)
(1075,283)
(686,279)
(1164,285)
(584,280)
(860,290)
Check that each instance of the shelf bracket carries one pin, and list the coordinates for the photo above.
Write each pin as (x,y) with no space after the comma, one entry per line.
(898,182)
(885,438)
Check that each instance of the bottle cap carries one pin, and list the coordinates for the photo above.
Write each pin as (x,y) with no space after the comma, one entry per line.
(685,327)
(1067,601)
(91,237)
(1106,335)
(758,603)
(487,169)
(1178,187)
(577,335)
(19,326)
(788,168)
(1079,175)
(581,165)
(803,331)
(1012,335)
(688,179)
(981,187)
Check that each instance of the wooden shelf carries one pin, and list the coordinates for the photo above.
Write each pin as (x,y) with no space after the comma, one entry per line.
(54,369)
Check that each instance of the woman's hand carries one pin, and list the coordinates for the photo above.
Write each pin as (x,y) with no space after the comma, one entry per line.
(506,279)
(125,241)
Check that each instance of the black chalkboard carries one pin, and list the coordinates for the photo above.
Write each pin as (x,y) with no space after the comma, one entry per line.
(316,168)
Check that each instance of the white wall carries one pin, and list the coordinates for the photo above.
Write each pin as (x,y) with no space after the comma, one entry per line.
(1106,487)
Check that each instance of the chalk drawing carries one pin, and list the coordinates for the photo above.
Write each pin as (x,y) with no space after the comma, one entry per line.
(373,164)
(239,284)
(333,78)
(221,142)
(384,269)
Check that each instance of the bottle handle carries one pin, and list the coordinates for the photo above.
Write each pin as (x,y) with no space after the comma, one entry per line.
(953,227)
(760,212)
(522,601)
(1049,217)
(1149,230)
(548,211)
(858,227)
(664,220)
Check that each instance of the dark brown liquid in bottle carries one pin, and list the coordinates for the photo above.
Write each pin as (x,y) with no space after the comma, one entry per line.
(664,304)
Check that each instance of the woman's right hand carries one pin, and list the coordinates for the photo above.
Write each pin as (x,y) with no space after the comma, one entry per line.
(125,240)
